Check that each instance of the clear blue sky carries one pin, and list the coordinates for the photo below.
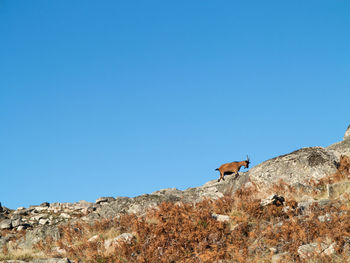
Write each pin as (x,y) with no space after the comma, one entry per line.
(121,98)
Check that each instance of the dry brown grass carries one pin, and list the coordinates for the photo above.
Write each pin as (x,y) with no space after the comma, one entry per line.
(13,253)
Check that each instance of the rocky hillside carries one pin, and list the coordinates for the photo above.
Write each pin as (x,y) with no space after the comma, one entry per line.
(307,189)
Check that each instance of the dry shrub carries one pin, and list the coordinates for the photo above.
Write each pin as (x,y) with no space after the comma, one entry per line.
(283,188)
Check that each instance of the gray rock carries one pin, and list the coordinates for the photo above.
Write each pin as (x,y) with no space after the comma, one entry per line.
(65,216)
(104,200)
(16,222)
(56,204)
(83,204)
(125,237)
(297,167)
(39,209)
(312,249)
(6,224)
(273,200)
(21,212)
(45,204)
(340,148)
(43,221)
(38,217)
(221,218)
(15,216)
(327,217)
(20,228)
(330,250)
(93,238)
(305,206)
(39,233)
(124,205)
(176,193)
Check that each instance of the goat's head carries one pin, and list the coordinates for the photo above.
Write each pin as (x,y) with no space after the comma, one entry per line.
(247,162)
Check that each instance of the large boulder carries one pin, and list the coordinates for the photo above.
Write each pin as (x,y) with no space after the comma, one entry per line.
(298,167)
(6,224)
(32,237)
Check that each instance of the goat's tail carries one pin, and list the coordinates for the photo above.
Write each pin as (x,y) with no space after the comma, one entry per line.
(217,169)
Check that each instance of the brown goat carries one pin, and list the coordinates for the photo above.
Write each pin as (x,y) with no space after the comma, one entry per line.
(232,168)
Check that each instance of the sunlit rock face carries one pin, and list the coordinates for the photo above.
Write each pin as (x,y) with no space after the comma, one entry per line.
(298,167)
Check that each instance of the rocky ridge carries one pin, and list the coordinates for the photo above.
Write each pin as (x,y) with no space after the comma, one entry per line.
(298,169)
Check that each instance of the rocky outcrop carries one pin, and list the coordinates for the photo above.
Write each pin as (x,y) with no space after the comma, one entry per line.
(343,147)
(298,167)
(43,221)
(37,234)
(340,148)
(141,204)
(301,166)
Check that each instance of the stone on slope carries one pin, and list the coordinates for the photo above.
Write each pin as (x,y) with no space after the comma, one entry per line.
(125,237)
(272,200)
(313,249)
(45,204)
(124,205)
(16,222)
(39,233)
(6,224)
(104,200)
(221,218)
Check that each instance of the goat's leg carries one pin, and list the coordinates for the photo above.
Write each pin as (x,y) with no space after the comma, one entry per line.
(221,177)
